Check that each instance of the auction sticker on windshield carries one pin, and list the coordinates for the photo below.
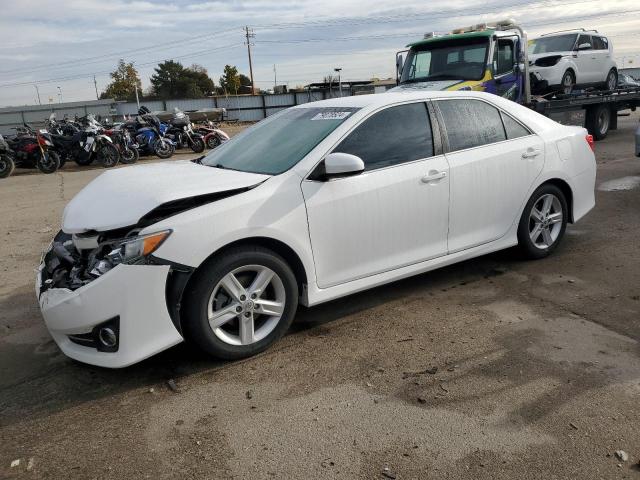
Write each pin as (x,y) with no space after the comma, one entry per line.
(331,115)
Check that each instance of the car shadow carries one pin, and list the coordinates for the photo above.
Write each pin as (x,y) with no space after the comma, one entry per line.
(37,379)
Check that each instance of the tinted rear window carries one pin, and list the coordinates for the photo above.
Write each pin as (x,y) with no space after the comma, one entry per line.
(471,123)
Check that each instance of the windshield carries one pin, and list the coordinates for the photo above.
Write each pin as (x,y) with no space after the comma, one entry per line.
(447,60)
(276,144)
(559,43)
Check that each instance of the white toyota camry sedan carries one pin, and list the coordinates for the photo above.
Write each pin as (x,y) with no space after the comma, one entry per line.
(316,202)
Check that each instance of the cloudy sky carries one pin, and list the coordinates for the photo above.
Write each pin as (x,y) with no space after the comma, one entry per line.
(54,44)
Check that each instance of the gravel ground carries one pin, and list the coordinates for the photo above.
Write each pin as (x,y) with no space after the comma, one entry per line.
(493,368)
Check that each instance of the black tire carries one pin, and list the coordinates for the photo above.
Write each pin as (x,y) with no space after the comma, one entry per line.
(49,162)
(195,304)
(568,82)
(598,121)
(526,225)
(83,158)
(611,82)
(7,166)
(213,142)
(108,155)
(163,149)
(129,155)
(197,145)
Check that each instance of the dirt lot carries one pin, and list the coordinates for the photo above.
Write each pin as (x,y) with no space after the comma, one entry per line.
(538,368)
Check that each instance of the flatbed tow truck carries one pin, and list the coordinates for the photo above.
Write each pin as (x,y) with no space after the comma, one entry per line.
(492,57)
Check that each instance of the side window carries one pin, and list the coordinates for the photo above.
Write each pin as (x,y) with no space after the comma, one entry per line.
(598,43)
(394,135)
(503,58)
(582,39)
(605,43)
(513,128)
(471,123)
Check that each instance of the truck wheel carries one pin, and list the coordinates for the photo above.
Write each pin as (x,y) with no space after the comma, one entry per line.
(598,121)
(568,82)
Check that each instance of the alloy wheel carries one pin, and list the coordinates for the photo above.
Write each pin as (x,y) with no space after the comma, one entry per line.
(545,221)
(612,81)
(567,83)
(246,305)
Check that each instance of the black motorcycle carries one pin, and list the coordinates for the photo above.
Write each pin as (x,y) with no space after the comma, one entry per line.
(181,132)
(86,144)
(7,165)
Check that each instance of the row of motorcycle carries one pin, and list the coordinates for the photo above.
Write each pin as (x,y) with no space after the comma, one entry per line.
(85,140)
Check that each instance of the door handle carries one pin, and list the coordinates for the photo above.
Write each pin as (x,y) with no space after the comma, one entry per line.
(531,153)
(433,176)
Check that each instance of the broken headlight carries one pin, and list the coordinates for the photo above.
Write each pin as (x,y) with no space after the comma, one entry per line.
(133,249)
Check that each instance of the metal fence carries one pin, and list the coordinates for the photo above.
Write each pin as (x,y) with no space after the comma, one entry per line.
(243,108)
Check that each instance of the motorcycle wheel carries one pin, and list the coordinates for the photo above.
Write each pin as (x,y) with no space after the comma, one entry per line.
(163,149)
(49,162)
(82,158)
(129,155)
(213,142)
(108,155)
(7,166)
(197,145)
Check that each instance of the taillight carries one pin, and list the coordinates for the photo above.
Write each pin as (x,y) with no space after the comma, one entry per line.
(589,139)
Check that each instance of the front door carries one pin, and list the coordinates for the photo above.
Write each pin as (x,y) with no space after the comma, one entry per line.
(505,74)
(393,214)
(493,161)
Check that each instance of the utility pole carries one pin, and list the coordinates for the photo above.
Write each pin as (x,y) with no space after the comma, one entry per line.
(275,78)
(38,92)
(249,34)
(59,95)
(95,83)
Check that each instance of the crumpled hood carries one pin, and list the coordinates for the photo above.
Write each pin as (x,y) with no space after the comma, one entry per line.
(534,56)
(435,85)
(121,197)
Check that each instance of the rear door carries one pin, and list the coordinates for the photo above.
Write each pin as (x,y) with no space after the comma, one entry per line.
(393,214)
(586,61)
(493,161)
(601,53)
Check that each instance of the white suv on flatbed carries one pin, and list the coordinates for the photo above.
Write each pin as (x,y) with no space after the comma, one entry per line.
(573,58)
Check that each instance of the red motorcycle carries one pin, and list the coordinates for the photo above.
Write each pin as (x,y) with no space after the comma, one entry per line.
(34,149)
(213,134)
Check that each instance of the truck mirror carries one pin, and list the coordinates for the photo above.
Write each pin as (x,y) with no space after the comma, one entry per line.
(399,65)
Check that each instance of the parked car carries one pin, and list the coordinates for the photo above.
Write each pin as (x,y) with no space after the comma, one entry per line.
(627,81)
(314,203)
(569,59)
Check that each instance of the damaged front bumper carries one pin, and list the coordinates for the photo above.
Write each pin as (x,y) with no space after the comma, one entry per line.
(115,320)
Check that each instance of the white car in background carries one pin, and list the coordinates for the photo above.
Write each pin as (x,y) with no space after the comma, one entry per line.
(314,203)
(569,59)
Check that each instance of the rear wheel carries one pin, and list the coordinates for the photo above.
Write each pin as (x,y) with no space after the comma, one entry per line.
(7,166)
(598,121)
(568,82)
(543,222)
(240,303)
(48,162)
(108,155)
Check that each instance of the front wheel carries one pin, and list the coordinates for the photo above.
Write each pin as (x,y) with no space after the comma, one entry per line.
(543,222)
(108,155)
(197,144)
(129,155)
(163,149)
(568,82)
(48,162)
(7,166)
(213,142)
(611,83)
(240,303)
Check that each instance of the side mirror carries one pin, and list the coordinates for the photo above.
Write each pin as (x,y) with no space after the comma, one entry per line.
(584,46)
(342,164)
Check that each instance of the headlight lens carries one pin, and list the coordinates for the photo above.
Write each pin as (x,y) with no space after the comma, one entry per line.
(136,248)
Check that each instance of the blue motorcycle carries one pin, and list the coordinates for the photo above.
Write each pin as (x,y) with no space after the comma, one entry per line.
(149,134)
